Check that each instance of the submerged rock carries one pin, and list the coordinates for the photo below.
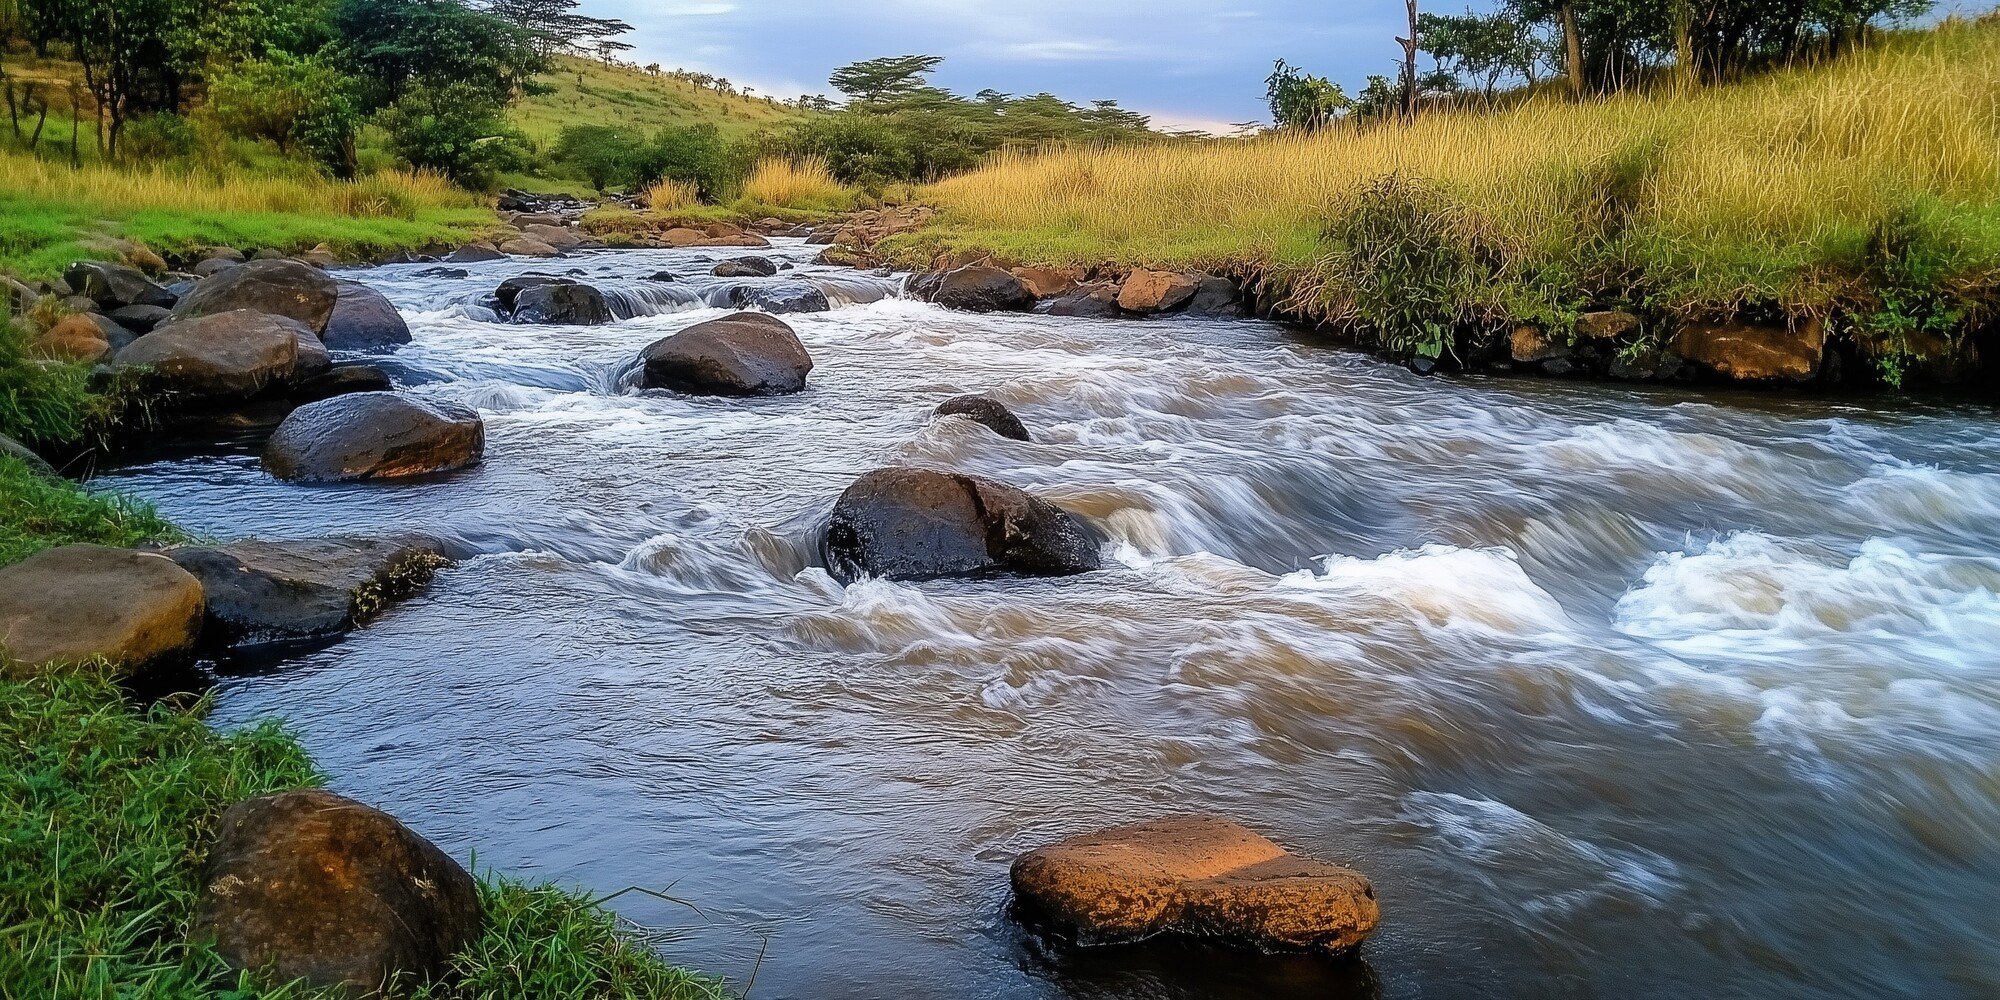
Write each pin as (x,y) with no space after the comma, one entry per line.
(562,303)
(919,524)
(279,287)
(975,288)
(1198,875)
(314,887)
(363,320)
(230,355)
(781,297)
(745,354)
(261,591)
(745,267)
(986,411)
(83,602)
(374,435)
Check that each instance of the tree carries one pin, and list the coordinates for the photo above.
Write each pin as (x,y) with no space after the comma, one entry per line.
(884,79)
(691,154)
(1302,101)
(290,101)
(604,154)
(1484,48)
(557,27)
(395,44)
(453,128)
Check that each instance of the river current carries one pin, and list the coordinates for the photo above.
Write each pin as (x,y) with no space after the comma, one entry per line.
(1611,691)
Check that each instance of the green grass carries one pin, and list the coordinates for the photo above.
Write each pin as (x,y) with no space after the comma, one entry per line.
(587,92)
(105,811)
(38,512)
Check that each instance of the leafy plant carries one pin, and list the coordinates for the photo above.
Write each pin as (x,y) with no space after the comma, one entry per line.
(1406,265)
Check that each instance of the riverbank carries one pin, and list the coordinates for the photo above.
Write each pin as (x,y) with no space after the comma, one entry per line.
(1847,214)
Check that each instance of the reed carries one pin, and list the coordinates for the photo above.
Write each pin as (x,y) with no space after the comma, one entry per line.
(669,195)
(1771,191)
(805,184)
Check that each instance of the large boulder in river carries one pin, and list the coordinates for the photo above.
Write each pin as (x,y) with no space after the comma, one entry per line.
(315,888)
(976,288)
(744,354)
(230,355)
(363,320)
(259,591)
(781,297)
(112,286)
(987,412)
(280,287)
(1147,292)
(1198,875)
(1098,301)
(374,435)
(745,267)
(85,602)
(919,524)
(562,303)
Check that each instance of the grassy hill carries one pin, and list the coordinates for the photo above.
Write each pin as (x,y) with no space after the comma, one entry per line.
(587,92)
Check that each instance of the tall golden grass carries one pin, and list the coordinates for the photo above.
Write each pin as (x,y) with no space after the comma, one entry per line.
(124,190)
(804,183)
(669,195)
(1751,184)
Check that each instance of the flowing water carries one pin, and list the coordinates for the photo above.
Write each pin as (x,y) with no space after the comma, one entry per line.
(1611,692)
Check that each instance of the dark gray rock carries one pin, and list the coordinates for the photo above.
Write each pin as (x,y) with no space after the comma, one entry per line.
(340,382)
(374,435)
(563,303)
(986,411)
(444,272)
(977,288)
(919,524)
(745,354)
(781,297)
(113,285)
(473,254)
(231,355)
(745,267)
(140,319)
(364,320)
(510,290)
(1088,302)
(279,287)
(270,591)
(1216,298)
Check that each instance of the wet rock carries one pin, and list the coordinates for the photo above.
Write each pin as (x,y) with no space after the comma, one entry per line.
(374,435)
(662,276)
(528,246)
(1148,292)
(312,887)
(987,411)
(977,288)
(1610,324)
(1197,875)
(1047,282)
(560,237)
(446,273)
(1647,366)
(279,287)
(363,320)
(473,253)
(314,358)
(745,354)
(564,303)
(140,319)
(340,382)
(782,297)
(83,602)
(76,337)
(230,355)
(1529,345)
(1216,298)
(113,285)
(269,591)
(210,268)
(510,290)
(1098,301)
(745,267)
(920,524)
(1751,352)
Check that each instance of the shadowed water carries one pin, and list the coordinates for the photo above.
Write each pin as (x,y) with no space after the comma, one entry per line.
(1610,692)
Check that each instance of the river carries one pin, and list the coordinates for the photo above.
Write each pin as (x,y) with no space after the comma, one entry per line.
(1611,691)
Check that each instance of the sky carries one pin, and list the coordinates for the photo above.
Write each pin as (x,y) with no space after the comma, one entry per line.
(1188,63)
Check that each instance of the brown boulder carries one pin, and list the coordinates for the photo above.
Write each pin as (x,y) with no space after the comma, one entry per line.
(975,288)
(745,354)
(82,602)
(1751,352)
(1047,282)
(1528,344)
(987,412)
(280,287)
(224,355)
(1200,875)
(312,887)
(1156,291)
(920,524)
(738,240)
(680,236)
(528,246)
(280,590)
(77,337)
(1607,324)
(562,238)
(374,435)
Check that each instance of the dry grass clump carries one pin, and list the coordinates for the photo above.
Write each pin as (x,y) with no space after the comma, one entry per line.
(806,184)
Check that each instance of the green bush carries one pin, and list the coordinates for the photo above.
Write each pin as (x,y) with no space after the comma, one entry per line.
(1407,264)
(600,154)
(455,129)
(694,154)
(156,137)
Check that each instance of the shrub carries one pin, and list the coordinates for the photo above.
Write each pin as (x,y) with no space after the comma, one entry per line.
(601,154)
(1405,263)
(454,129)
(159,136)
(694,155)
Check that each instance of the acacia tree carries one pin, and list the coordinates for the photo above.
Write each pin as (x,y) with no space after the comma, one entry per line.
(1302,101)
(885,79)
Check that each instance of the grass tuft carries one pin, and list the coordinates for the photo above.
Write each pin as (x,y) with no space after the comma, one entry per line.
(805,184)
(40,512)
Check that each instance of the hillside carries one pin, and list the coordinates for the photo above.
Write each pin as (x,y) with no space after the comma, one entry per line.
(587,92)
